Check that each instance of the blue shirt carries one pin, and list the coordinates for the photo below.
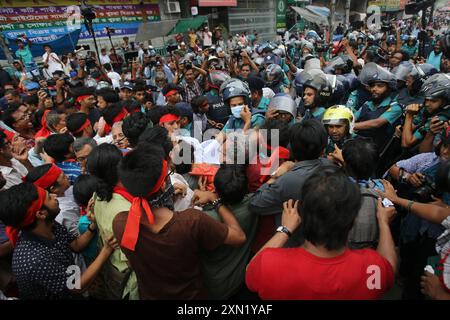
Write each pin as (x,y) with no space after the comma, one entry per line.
(71,169)
(90,252)
(264,103)
(435,60)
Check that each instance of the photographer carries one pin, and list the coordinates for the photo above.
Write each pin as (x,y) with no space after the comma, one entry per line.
(429,123)
(192,86)
(438,213)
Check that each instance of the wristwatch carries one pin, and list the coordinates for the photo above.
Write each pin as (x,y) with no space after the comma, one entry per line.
(216,203)
(283,229)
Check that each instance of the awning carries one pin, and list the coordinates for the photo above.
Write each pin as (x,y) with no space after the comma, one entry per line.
(183,25)
(157,29)
(311,16)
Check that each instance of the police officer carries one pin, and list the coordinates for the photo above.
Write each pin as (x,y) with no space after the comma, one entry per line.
(282,107)
(434,112)
(339,122)
(378,117)
(236,95)
(316,93)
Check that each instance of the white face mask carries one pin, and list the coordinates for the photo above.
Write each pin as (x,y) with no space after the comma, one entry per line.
(236,111)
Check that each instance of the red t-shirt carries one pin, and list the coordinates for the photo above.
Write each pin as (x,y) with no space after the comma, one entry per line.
(296,274)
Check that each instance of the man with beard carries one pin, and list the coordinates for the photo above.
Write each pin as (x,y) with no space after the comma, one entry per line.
(435,56)
(378,117)
(42,257)
(317,92)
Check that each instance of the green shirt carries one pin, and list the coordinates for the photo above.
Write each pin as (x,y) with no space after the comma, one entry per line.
(25,55)
(223,269)
(256,121)
(352,101)
(264,103)
(105,212)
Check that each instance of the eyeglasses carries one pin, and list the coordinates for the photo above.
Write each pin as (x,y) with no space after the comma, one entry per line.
(117,142)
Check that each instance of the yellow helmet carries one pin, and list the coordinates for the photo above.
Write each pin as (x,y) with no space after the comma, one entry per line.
(339,114)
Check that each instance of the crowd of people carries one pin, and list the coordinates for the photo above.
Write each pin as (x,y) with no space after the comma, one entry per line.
(238,169)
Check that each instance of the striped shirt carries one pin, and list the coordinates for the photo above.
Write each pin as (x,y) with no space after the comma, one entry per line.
(71,169)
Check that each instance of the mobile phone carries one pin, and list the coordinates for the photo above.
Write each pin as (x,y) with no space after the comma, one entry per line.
(387,203)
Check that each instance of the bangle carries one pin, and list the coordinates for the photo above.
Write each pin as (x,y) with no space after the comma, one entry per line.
(410,204)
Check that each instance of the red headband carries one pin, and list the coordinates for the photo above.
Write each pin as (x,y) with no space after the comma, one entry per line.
(131,233)
(49,178)
(84,126)
(120,116)
(80,98)
(30,216)
(171,92)
(168,118)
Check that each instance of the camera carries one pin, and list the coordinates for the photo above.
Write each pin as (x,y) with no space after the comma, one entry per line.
(423,194)
(90,63)
(237,53)
(385,27)
(187,65)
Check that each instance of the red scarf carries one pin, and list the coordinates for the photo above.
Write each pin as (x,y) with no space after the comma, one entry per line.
(44,132)
(120,116)
(13,232)
(131,233)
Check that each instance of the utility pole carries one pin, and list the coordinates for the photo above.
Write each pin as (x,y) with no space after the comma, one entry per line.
(331,20)
(347,13)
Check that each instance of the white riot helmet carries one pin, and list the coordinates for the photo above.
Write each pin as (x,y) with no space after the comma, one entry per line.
(283,102)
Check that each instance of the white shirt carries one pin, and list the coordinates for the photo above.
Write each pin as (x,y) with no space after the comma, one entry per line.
(106,139)
(13,175)
(182,203)
(69,213)
(53,64)
(104,59)
(207,38)
(115,79)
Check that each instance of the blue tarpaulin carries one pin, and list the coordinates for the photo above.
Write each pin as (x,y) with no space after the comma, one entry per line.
(61,43)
